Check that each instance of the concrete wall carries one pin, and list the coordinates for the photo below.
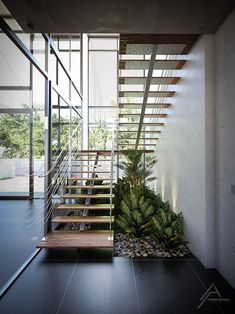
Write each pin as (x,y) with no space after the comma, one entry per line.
(196,154)
(185,164)
(225,147)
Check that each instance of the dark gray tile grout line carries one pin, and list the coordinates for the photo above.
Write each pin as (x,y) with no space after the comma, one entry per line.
(136,291)
(70,278)
(161,259)
(202,283)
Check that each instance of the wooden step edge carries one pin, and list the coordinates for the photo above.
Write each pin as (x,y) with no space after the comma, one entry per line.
(87,187)
(67,239)
(96,172)
(84,207)
(80,219)
(88,179)
(87,195)
(93,160)
(67,232)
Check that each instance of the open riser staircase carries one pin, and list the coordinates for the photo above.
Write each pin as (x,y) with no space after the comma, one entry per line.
(79,193)
(81,210)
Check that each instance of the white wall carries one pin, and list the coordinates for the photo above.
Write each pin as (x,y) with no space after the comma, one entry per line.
(196,154)
(185,164)
(225,147)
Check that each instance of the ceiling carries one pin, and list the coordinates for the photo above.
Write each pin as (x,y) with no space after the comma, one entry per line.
(121,16)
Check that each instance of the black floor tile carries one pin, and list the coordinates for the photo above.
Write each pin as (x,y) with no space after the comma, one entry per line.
(96,254)
(212,277)
(40,287)
(61,255)
(101,288)
(18,234)
(169,287)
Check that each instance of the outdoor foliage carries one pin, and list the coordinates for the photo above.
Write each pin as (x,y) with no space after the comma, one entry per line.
(15,137)
(99,136)
(15,134)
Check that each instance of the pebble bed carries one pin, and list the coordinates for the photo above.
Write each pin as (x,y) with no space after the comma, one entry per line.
(125,245)
(129,246)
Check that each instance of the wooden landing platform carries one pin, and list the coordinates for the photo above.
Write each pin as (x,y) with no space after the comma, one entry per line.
(64,239)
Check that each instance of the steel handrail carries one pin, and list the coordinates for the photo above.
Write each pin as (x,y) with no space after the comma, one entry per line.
(111,181)
(60,155)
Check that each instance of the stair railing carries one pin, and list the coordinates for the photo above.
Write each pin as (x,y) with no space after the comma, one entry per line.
(111,179)
(59,173)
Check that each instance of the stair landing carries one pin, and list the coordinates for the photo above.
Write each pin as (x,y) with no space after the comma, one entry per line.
(82,239)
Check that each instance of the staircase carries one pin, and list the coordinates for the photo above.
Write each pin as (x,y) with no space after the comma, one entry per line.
(149,69)
(87,191)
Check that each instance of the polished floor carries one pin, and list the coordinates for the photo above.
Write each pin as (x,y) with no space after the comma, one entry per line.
(86,281)
(89,282)
(20,230)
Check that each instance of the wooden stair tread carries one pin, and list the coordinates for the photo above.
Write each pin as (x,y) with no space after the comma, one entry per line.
(144,123)
(146,115)
(70,195)
(95,152)
(80,219)
(89,179)
(148,105)
(84,239)
(155,80)
(86,166)
(84,206)
(87,187)
(93,160)
(132,93)
(94,171)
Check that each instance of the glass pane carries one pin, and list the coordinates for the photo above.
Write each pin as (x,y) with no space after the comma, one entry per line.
(3,9)
(22,153)
(39,48)
(100,136)
(53,67)
(13,24)
(75,68)
(14,153)
(103,43)
(102,78)
(63,82)
(75,99)
(107,115)
(15,72)
(38,125)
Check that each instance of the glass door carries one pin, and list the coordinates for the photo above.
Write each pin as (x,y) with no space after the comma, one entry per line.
(16,153)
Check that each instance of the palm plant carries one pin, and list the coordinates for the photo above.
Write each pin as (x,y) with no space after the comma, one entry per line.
(137,168)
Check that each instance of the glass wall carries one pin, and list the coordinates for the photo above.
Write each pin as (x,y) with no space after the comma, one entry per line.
(40,108)
(103,54)
(22,98)
(40,102)
(22,129)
